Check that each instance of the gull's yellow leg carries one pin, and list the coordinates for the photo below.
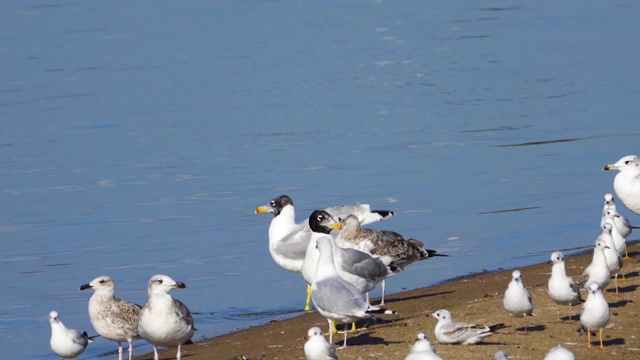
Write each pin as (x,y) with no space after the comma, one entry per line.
(307,306)
(601,346)
(588,339)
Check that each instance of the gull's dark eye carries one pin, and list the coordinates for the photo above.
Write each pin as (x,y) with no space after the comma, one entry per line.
(627,162)
(159,281)
(102,281)
(272,203)
(320,217)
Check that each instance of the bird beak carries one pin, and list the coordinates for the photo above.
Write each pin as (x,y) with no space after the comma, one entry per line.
(609,167)
(180,285)
(263,209)
(85,287)
(336,226)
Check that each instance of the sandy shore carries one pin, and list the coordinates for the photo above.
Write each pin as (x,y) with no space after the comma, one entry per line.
(476,299)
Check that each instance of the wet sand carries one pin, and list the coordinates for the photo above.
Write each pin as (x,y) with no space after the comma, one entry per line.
(476,299)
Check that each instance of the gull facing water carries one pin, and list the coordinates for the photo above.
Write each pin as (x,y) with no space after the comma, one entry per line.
(66,343)
(456,332)
(165,321)
(113,318)
(627,182)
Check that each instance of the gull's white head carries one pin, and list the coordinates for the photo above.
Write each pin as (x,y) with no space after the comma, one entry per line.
(557,257)
(443,315)
(601,245)
(517,275)
(594,288)
(314,331)
(609,200)
(54,318)
(162,284)
(607,228)
(102,284)
(627,163)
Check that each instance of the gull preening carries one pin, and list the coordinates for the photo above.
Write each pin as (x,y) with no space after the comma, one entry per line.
(66,343)
(165,321)
(517,300)
(456,332)
(559,353)
(595,313)
(288,240)
(389,246)
(422,349)
(317,347)
(113,318)
(562,289)
(627,182)
(335,298)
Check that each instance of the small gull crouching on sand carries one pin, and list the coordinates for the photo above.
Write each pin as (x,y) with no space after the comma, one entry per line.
(165,321)
(113,318)
(456,332)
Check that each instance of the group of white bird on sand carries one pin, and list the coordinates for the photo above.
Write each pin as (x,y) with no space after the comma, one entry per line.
(163,321)
(609,251)
(340,261)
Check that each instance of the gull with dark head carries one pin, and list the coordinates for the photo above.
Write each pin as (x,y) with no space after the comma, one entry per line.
(165,321)
(288,240)
(113,318)
(66,343)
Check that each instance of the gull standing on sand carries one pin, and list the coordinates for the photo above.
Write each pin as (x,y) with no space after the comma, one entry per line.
(113,318)
(613,259)
(317,347)
(619,241)
(165,321)
(455,332)
(517,299)
(559,353)
(595,313)
(288,240)
(389,246)
(422,349)
(621,222)
(66,343)
(335,298)
(562,289)
(598,271)
(627,181)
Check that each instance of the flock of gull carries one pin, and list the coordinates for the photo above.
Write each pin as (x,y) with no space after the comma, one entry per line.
(341,261)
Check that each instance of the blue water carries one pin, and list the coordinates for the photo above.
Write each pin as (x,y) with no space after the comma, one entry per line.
(137,138)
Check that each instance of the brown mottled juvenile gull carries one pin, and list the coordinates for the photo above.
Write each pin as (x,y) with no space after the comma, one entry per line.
(66,343)
(288,240)
(165,321)
(113,318)
(388,246)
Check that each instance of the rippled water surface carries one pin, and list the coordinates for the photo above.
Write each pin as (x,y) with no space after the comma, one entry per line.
(138,137)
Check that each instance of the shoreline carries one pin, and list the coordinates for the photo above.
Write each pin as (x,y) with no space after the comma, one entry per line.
(474,298)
